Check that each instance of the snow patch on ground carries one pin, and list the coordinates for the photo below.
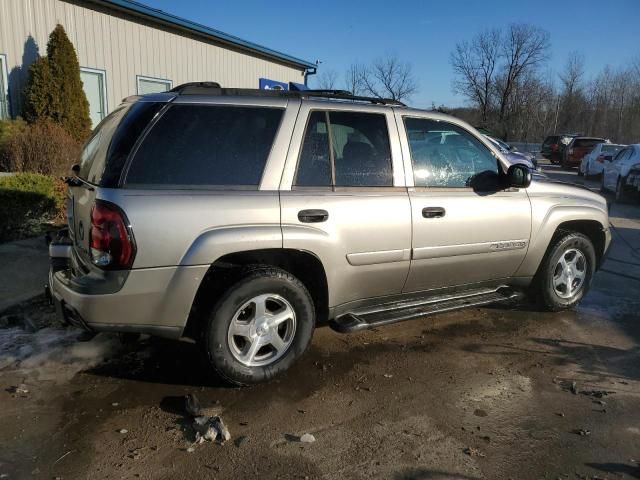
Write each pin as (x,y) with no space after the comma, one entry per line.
(53,353)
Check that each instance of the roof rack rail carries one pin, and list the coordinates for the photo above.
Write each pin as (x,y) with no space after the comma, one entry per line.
(213,88)
(183,86)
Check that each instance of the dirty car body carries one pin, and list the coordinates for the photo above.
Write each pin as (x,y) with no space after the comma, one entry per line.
(240,219)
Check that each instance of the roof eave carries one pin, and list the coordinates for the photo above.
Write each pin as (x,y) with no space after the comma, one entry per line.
(168,19)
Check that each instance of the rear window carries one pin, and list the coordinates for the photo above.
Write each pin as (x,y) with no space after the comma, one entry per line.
(94,153)
(206,145)
(586,142)
(551,139)
(612,148)
(106,151)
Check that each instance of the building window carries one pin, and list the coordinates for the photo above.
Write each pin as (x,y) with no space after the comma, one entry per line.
(94,85)
(4,88)
(152,85)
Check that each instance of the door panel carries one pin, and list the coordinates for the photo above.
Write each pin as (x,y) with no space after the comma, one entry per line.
(364,244)
(349,166)
(466,228)
(479,238)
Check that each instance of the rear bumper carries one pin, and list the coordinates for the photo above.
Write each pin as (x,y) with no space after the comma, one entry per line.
(156,301)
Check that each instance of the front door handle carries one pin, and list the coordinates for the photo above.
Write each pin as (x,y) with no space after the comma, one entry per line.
(313,216)
(433,212)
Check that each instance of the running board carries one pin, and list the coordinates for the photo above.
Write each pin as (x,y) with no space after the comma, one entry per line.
(388,313)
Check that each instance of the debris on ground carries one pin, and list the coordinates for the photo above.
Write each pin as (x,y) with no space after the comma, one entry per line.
(574,388)
(560,414)
(210,429)
(582,432)
(123,431)
(307,438)
(596,393)
(241,440)
(191,449)
(387,375)
(474,452)
(192,405)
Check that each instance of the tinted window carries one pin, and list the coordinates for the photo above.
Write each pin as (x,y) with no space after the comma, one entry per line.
(314,166)
(445,155)
(94,153)
(201,145)
(360,151)
(551,139)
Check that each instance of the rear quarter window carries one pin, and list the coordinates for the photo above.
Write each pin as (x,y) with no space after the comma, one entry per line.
(194,146)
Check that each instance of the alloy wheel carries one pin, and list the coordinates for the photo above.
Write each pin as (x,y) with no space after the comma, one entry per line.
(262,330)
(570,273)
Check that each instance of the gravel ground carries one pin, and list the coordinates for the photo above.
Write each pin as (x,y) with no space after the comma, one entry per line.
(489,393)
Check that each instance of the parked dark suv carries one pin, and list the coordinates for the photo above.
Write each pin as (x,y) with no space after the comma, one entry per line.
(554,145)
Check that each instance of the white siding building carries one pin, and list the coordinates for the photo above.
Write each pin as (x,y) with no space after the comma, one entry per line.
(126,48)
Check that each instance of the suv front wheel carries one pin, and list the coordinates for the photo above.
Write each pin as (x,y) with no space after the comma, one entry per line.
(259,327)
(566,271)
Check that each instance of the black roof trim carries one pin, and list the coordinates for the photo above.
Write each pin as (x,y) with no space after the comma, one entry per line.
(214,89)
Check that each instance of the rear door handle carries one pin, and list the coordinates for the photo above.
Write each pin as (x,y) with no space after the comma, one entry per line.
(433,212)
(313,216)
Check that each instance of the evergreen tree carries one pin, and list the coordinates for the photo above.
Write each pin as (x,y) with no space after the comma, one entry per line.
(39,92)
(54,89)
(70,105)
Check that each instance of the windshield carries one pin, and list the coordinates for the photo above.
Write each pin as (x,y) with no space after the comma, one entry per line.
(612,148)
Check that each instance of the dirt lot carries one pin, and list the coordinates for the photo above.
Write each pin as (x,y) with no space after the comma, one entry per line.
(487,393)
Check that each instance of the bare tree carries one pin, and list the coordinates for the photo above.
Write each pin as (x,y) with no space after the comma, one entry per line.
(390,78)
(353,78)
(474,64)
(524,48)
(573,99)
(328,80)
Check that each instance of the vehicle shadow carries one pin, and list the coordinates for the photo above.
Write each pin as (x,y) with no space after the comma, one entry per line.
(424,474)
(619,469)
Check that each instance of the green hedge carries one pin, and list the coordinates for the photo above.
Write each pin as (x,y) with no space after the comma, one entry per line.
(27,201)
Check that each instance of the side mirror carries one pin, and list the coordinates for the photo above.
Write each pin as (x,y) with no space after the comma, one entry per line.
(519,176)
(75,169)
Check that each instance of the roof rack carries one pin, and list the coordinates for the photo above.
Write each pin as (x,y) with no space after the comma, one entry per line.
(213,88)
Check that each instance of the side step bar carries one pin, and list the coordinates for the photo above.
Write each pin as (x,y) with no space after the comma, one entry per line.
(386,314)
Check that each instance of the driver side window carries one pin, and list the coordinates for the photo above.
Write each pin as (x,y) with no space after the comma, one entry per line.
(445,155)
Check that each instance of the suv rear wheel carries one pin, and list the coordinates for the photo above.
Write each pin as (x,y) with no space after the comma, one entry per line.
(566,271)
(622,192)
(259,327)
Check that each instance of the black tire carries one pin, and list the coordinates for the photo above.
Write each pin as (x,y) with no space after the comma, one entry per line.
(543,285)
(255,282)
(602,187)
(580,174)
(622,192)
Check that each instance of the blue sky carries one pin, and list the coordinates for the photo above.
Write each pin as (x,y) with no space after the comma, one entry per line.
(421,32)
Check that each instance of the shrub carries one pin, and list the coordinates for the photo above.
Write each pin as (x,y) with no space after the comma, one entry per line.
(27,200)
(8,130)
(42,147)
(54,89)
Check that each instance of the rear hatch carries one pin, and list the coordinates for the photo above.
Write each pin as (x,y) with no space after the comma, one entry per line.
(101,163)
(582,146)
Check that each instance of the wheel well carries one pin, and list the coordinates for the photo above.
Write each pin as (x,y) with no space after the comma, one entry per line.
(592,229)
(228,269)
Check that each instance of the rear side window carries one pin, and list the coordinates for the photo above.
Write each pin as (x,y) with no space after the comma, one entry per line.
(203,145)
(345,149)
(94,153)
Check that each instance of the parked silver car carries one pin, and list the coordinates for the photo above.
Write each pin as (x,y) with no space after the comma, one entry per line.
(620,175)
(593,162)
(241,219)
(512,155)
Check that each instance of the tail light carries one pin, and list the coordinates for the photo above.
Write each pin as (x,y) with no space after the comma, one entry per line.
(112,243)
(554,147)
